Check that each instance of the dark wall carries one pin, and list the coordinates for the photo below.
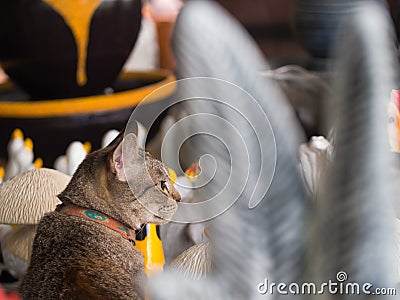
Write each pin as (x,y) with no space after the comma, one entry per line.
(270,23)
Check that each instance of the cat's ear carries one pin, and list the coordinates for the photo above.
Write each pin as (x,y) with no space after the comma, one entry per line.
(130,146)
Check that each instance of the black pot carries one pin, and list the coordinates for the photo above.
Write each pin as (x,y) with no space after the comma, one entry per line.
(39,46)
(55,123)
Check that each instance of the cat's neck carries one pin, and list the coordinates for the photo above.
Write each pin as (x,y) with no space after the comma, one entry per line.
(92,187)
(99,218)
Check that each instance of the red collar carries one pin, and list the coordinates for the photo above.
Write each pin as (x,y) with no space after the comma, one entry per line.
(98,217)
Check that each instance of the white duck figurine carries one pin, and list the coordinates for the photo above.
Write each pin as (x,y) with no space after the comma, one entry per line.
(108,137)
(16,142)
(15,145)
(111,134)
(20,155)
(74,155)
(25,156)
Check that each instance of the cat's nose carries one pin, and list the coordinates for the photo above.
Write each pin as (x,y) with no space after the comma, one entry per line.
(176,196)
(178,199)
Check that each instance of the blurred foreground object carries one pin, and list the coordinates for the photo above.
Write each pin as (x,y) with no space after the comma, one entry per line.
(306,91)
(394,121)
(354,224)
(247,245)
(314,157)
(286,238)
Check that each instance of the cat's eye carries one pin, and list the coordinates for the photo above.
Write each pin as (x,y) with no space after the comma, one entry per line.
(163,186)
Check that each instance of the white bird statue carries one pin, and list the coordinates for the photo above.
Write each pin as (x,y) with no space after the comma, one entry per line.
(109,136)
(60,164)
(20,155)
(15,145)
(25,156)
(74,155)
(16,142)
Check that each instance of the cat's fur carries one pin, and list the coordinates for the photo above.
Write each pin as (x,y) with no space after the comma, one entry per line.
(75,258)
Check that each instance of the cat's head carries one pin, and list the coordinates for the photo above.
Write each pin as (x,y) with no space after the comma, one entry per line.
(124,182)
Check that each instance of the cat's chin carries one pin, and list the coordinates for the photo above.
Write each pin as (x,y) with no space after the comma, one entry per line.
(160,220)
(168,211)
